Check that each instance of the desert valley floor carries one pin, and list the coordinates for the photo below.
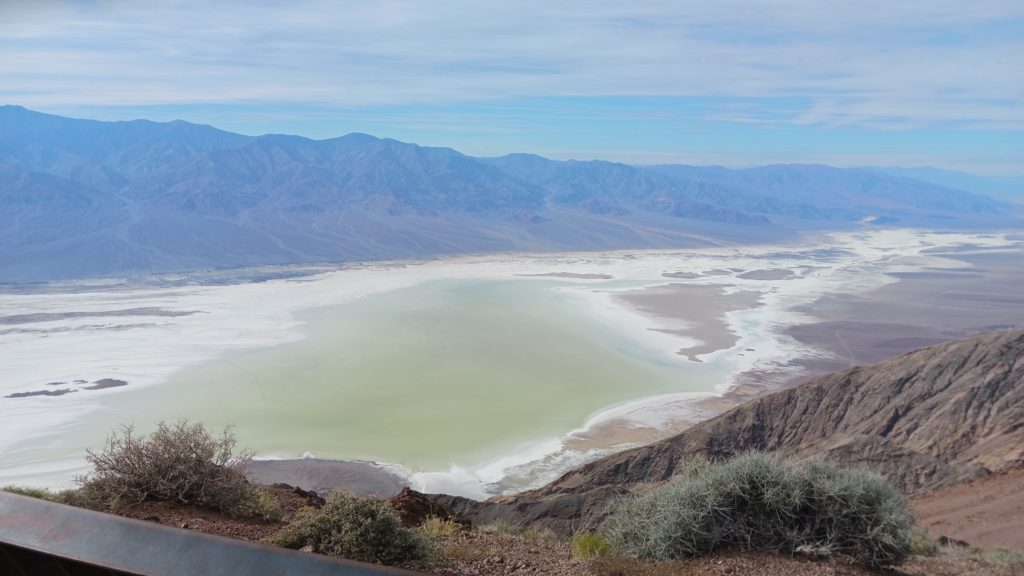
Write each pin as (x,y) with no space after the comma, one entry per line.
(477,375)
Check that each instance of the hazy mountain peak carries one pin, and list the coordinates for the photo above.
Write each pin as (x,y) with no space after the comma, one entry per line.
(153,196)
(356,138)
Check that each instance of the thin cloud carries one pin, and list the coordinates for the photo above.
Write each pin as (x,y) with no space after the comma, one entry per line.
(910,62)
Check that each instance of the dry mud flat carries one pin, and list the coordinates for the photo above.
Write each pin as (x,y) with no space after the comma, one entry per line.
(923,308)
(701,307)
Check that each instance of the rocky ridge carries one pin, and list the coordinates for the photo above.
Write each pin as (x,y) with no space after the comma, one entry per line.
(926,419)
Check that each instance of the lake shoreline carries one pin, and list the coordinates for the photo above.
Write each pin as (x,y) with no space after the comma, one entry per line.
(741,313)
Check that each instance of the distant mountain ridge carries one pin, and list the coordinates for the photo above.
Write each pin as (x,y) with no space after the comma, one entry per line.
(1009,188)
(84,198)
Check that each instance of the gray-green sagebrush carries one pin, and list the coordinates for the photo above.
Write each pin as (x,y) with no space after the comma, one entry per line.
(356,527)
(760,502)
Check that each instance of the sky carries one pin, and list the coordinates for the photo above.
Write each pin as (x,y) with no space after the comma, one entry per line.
(730,82)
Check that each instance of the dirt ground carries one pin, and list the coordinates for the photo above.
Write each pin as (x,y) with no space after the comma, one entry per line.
(212,522)
(987,513)
(480,552)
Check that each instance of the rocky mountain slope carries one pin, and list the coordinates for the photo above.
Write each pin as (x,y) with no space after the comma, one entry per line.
(81,198)
(930,418)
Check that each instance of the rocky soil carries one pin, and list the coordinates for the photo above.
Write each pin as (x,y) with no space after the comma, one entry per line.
(212,522)
(481,553)
(988,512)
(484,551)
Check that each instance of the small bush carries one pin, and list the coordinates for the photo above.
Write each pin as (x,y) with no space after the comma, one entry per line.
(265,505)
(759,502)
(180,463)
(356,527)
(539,534)
(921,544)
(69,497)
(503,526)
(589,545)
(31,492)
(1005,557)
(438,528)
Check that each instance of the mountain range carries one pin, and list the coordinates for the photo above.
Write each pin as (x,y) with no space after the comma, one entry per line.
(85,198)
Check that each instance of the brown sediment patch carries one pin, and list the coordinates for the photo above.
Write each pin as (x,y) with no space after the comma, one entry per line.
(106,383)
(31,393)
(700,308)
(51,316)
(767,274)
(612,433)
(618,432)
(626,434)
(577,276)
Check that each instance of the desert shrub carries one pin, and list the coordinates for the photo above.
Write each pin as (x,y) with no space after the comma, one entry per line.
(503,526)
(437,528)
(181,463)
(588,545)
(32,492)
(759,502)
(539,534)
(69,497)
(265,505)
(1005,557)
(468,551)
(356,527)
(920,544)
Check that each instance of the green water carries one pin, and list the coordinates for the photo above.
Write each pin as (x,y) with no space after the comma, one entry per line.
(445,372)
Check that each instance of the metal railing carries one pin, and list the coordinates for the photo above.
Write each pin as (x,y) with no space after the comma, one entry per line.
(40,537)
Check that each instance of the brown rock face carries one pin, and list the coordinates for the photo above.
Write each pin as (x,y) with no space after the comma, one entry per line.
(929,418)
(414,507)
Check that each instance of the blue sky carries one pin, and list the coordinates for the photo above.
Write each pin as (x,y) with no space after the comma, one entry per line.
(731,82)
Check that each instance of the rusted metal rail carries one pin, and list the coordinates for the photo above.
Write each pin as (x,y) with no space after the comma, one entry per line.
(41,538)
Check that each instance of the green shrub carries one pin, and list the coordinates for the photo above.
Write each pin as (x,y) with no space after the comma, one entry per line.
(539,534)
(759,502)
(920,544)
(1004,557)
(31,492)
(503,526)
(589,545)
(356,527)
(69,497)
(265,505)
(438,528)
(180,463)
